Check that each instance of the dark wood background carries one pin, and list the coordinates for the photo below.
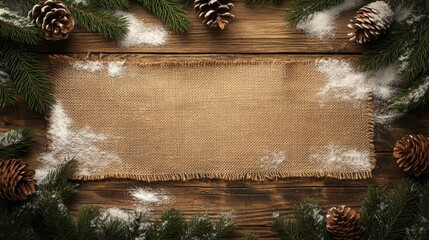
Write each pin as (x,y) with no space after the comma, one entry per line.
(257,32)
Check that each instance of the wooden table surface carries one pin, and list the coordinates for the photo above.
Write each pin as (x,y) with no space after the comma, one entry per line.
(257,32)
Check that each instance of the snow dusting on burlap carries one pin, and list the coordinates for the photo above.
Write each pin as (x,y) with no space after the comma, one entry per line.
(234,119)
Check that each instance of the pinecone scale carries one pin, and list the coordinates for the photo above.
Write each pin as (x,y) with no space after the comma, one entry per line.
(215,13)
(371,22)
(16,180)
(412,153)
(344,223)
(54,19)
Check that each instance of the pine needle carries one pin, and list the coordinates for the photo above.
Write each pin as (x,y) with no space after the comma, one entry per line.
(171,12)
(416,95)
(299,10)
(105,22)
(15,143)
(110,4)
(29,79)
(16,28)
(7,89)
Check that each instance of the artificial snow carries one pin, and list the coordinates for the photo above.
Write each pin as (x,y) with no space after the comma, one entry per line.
(80,144)
(403,13)
(116,213)
(322,24)
(337,158)
(271,160)
(115,69)
(347,84)
(383,12)
(141,33)
(147,196)
(13,18)
(10,138)
(415,95)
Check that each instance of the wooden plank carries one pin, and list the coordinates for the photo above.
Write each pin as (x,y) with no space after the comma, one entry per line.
(253,203)
(255,30)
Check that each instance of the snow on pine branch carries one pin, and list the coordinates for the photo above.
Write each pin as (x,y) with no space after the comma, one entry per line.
(322,24)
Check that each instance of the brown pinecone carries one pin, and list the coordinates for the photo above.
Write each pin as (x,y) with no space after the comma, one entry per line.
(412,153)
(16,180)
(54,18)
(371,21)
(215,13)
(344,223)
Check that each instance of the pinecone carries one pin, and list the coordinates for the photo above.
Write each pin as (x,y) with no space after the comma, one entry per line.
(371,21)
(344,223)
(16,180)
(54,18)
(215,13)
(412,153)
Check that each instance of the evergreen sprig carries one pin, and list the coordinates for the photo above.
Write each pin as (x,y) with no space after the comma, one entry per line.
(94,19)
(300,10)
(7,89)
(171,12)
(29,79)
(17,28)
(15,142)
(399,213)
(308,223)
(110,4)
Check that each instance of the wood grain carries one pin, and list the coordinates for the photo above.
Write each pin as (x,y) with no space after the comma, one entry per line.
(255,30)
(256,33)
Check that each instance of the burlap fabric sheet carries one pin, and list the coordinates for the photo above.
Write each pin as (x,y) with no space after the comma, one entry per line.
(215,119)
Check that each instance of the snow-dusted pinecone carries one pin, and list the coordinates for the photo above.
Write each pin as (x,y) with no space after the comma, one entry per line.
(215,13)
(54,18)
(370,22)
(344,223)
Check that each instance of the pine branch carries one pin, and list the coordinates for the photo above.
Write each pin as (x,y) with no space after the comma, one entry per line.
(105,22)
(168,227)
(15,224)
(198,227)
(224,227)
(28,77)
(262,2)
(286,229)
(7,89)
(308,224)
(17,28)
(420,229)
(15,142)
(251,236)
(58,181)
(299,10)
(412,97)
(84,223)
(171,12)
(400,212)
(110,4)
(374,210)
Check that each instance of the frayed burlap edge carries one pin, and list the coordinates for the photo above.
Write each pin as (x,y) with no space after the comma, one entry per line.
(260,176)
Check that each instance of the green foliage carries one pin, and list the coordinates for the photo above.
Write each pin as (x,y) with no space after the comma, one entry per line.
(171,12)
(110,4)
(28,78)
(251,236)
(105,22)
(15,142)
(262,2)
(399,213)
(7,89)
(308,223)
(17,28)
(301,9)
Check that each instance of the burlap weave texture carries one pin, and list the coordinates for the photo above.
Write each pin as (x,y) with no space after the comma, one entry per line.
(215,119)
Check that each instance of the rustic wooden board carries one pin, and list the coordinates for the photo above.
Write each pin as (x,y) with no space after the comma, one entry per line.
(255,30)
